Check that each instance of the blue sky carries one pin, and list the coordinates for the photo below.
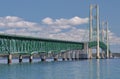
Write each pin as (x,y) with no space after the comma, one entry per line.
(36,10)
(39,9)
(59,19)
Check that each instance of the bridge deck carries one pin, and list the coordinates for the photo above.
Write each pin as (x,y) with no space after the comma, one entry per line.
(25,44)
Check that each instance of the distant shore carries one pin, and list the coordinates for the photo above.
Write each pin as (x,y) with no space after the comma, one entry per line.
(117,55)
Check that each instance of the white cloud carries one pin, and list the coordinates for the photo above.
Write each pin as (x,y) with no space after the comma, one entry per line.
(77,20)
(62,23)
(10,19)
(62,29)
(47,20)
(113,39)
(15,22)
(73,21)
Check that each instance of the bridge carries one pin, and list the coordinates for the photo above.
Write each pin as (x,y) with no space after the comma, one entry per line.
(52,48)
(22,45)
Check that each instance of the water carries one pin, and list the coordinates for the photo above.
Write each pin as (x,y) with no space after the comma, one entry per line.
(83,69)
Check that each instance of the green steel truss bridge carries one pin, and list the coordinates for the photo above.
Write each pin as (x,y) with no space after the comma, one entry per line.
(13,44)
(24,45)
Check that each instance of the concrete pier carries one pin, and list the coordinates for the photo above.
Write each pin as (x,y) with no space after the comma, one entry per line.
(30,58)
(90,53)
(73,55)
(9,58)
(77,55)
(43,58)
(56,58)
(64,56)
(20,58)
(102,55)
(68,55)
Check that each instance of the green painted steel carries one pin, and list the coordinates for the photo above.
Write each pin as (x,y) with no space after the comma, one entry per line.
(28,45)
(103,46)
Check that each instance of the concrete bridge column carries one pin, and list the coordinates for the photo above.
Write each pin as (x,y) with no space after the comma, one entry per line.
(56,57)
(9,58)
(90,53)
(64,56)
(73,55)
(30,58)
(59,55)
(43,58)
(77,55)
(102,54)
(87,51)
(20,58)
(80,54)
(68,55)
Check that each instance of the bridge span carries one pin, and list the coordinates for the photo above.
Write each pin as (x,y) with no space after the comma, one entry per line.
(24,45)
(52,48)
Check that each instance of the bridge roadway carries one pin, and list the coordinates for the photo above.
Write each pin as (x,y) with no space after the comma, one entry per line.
(22,45)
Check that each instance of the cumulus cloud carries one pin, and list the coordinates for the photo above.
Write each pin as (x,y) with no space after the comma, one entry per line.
(113,39)
(47,20)
(72,35)
(15,22)
(73,21)
(62,29)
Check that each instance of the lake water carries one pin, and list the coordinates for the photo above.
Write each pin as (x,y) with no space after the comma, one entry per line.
(83,69)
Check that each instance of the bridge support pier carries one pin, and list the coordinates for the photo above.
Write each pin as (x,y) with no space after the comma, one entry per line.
(43,58)
(20,58)
(90,53)
(56,58)
(102,55)
(98,54)
(68,55)
(64,56)
(86,51)
(9,58)
(73,55)
(30,58)
(79,54)
(76,55)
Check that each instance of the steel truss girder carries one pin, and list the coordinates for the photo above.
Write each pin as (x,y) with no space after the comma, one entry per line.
(29,45)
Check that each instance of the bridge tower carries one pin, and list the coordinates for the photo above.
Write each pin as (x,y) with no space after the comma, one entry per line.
(105,37)
(94,28)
